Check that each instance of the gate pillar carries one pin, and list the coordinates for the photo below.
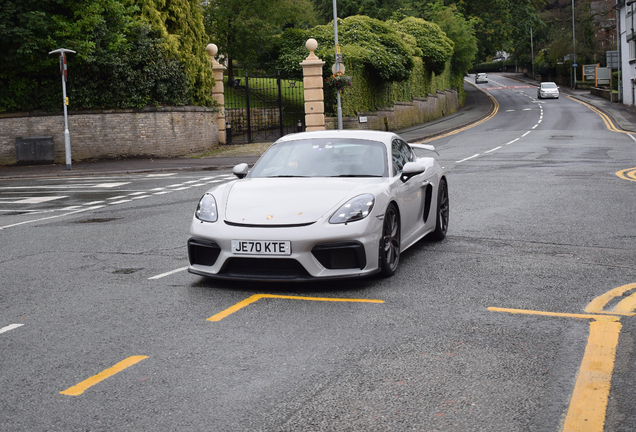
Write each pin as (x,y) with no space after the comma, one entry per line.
(314,95)
(217,91)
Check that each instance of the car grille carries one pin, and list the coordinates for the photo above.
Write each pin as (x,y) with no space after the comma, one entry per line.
(340,255)
(203,252)
(264,268)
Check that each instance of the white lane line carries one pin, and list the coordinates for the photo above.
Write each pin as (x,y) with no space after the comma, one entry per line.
(116,197)
(514,140)
(168,273)
(492,150)
(141,197)
(10,327)
(32,200)
(527,109)
(136,193)
(120,201)
(157,189)
(631,136)
(182,188)
(468,158)
(161,193)
(109,185)
(93,203)
(535,126)
(525,134)
(50,217)
(510,110)
(161,175)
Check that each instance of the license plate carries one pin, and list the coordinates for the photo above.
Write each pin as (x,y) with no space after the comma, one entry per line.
(261,247)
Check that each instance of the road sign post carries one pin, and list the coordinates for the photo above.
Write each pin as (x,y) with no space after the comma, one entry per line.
(64,72)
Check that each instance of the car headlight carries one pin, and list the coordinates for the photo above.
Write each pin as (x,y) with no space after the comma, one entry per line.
(354,210)
(206,210)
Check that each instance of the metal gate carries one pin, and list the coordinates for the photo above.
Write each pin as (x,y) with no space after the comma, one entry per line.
(260,108)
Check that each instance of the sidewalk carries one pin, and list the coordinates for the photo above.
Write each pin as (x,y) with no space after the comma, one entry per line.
(477,106)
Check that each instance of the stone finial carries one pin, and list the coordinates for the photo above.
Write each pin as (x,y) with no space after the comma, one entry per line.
(311,45)
(212,49)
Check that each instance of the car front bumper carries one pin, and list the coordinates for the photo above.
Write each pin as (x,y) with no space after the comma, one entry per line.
(318,251)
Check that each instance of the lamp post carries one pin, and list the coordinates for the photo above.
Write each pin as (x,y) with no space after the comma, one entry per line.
(574,45)
(63,71)
(532,51)
(338,57)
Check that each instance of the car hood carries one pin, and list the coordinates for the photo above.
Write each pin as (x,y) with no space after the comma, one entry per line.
(288,201)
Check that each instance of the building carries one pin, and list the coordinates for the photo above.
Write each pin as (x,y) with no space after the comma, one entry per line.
(626,25)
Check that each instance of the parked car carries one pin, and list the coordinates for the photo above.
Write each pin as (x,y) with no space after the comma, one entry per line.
(321,205)
(481,78)
(548,90)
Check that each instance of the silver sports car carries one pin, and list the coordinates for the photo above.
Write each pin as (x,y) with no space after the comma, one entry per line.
(320,205)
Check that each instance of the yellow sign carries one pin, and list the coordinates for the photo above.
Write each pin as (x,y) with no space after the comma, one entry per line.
(338,49)
(66,100)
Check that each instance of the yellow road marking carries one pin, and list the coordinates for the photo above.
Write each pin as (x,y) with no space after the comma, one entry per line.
(625,307)
(627,174)
(555,314)
(491,115)
(256,297)
(80,388)
(604,116)
(588,404)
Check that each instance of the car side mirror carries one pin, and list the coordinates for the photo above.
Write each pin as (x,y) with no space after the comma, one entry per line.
(240,170)
(411,169)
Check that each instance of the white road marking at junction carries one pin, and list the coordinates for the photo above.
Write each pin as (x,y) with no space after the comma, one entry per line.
(10,327)
(525,134)
(109,185)
(492,150)
(168,273)
(468,158)
(32,200)
(50,217)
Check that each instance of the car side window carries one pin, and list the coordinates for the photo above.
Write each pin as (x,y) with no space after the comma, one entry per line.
(400,152)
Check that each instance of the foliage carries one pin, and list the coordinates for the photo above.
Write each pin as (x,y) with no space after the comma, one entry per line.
(120,62)
(492,24)
(374,45)
(180,24)
(460,31)
(243,29)
(436,48)
(379,9)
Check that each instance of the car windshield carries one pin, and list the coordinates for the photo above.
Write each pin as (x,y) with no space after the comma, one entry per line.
(323,157)
(549,85)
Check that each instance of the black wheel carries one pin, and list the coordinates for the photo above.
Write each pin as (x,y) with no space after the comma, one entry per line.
(441,223)
(390,242)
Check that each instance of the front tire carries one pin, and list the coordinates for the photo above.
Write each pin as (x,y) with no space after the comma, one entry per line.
(441,222)
(390,242)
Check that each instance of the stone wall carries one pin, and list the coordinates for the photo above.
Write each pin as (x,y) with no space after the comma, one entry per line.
(403,114)
(109,134)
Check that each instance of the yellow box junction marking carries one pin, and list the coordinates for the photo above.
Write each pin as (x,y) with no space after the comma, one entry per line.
(256,297)
(588,404)
(80,388)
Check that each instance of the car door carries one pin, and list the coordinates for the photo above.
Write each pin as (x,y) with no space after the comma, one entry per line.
(409,193)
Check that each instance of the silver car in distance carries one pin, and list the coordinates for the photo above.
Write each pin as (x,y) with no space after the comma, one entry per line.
(547,90)
(321,205)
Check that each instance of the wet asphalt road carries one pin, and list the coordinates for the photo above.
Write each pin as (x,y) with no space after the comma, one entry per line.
(540,221)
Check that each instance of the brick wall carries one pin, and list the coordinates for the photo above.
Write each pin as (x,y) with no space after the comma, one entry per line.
(107,134)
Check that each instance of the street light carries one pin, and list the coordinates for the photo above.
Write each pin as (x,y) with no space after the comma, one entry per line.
(63,71)
(338,59)
(574,45)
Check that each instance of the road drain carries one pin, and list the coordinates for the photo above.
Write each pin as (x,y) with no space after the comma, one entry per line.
(562,137)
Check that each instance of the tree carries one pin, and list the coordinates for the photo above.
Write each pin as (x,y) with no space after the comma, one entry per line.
(180,24)
(120,62)
(378,9)
(436,48)
(491,22)
(243,29)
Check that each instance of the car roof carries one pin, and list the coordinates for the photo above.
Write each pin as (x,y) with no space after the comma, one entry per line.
(384,137)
